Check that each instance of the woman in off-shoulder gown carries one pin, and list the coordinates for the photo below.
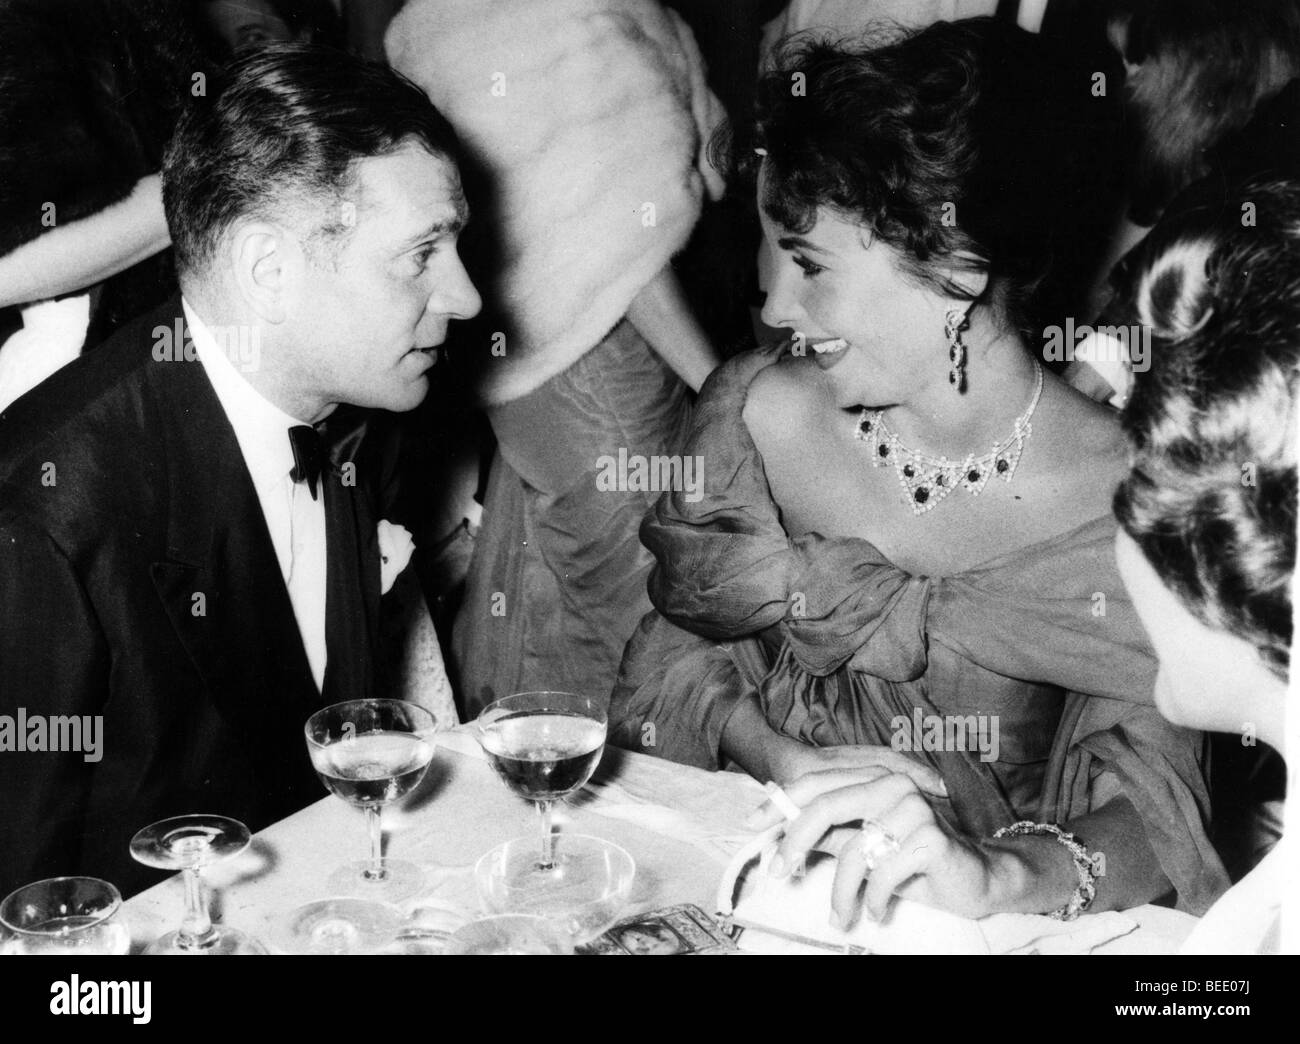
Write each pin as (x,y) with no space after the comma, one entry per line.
(897,583)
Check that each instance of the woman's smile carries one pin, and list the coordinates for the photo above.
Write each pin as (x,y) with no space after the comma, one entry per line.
(829,353)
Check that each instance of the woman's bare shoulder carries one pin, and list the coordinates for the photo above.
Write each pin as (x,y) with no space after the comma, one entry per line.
(783,397)
(1083,438)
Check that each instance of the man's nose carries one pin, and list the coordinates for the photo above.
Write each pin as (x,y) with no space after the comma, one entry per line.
(455,295)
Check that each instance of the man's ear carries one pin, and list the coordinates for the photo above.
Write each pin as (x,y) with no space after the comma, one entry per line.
(260,260)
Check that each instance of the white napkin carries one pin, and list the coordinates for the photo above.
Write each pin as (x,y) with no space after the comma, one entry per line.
(1036,933)
(802,907)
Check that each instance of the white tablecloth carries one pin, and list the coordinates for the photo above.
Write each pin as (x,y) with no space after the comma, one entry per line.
(680,824)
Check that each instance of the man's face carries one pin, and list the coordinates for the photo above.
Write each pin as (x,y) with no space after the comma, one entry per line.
(364,321)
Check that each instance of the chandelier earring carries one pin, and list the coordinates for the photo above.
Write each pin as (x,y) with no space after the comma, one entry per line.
(956,321)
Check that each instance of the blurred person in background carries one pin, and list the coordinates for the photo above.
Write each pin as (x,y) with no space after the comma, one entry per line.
(585,124)
(89,93)
(235,27)
(1205,95)
(1207,548)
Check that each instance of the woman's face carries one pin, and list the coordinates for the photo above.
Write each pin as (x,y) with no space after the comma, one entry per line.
(247,25)
(1208,679)
(837,282)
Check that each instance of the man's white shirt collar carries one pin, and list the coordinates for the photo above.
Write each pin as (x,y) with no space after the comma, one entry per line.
(261,427)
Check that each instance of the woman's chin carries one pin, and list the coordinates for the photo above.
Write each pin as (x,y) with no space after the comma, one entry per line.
(1176,707)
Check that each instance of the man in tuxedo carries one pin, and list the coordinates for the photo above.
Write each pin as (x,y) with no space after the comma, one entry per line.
(188,548)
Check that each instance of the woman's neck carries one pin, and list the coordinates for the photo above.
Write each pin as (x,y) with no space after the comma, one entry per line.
(1000,378)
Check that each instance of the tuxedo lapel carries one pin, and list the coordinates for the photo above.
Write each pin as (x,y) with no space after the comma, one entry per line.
(352,580)
(220,582)
(349,668)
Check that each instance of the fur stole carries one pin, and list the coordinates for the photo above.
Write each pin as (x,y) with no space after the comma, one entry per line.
(588,120)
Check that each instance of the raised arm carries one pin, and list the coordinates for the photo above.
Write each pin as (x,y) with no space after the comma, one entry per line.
(662,315)
(83,253)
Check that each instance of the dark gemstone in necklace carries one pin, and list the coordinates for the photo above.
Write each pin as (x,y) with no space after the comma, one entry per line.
(866,424)
(938,481)
(908,470)
(972,475)
(884,451)
(921,495)
(1002,466)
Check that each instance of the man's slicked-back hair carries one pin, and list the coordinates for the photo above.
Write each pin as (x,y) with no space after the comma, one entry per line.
(279,134)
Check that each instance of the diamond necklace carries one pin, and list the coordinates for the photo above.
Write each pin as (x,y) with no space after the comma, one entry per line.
(926,480)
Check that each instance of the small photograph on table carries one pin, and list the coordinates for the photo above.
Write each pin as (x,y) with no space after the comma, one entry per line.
(684,929)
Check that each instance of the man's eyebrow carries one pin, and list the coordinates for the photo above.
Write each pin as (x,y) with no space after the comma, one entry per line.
(450,227)
(799,243)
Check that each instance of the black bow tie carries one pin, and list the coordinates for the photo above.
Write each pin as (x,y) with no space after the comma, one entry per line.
(331,443)
(309,457)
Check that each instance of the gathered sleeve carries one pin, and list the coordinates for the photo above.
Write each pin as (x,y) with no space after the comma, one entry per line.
(836,643)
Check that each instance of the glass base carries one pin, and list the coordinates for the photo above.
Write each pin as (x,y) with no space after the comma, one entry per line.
(510,934)
(401,881)
(583,891)
(339,926)
(221,941)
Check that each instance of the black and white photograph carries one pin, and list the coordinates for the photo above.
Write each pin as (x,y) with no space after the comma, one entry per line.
(517,476)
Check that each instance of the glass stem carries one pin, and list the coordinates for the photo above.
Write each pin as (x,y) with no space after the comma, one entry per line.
(547,860)
(196,929)
(375,871)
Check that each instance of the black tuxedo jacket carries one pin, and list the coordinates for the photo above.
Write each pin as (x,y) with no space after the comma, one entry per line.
(138,581)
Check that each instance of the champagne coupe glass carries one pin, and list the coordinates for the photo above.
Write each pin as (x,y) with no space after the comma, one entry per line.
(581,894)
(545,746)
(189,843)
(372,753)
(509,934)
(333,927)
(72,916)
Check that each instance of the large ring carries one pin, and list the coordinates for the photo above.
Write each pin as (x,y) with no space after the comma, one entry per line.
(876,842)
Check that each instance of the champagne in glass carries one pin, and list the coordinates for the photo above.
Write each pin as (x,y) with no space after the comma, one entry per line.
(545,746)
(373,770)
(371,753)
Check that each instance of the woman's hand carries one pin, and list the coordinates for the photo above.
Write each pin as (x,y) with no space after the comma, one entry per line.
(902,849)
(797,760)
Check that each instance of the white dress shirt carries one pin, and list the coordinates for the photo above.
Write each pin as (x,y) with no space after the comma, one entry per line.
(295,521)
(1247,917)
(51,337)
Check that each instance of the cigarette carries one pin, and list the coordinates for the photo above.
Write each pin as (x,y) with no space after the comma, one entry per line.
(782,801)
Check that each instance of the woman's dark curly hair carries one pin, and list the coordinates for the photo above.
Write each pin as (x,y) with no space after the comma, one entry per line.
(1211,496)
(937,141)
